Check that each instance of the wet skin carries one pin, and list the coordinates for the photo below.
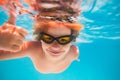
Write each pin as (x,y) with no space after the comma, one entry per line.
(47,58)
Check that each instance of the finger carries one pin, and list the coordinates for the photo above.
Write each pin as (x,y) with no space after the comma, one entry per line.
(22,31)
(15,48)
(17,36)
(12,29)
(18,42)
(8,31)
(8,26)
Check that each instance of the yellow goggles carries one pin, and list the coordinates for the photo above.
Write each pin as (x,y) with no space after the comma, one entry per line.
(61,40)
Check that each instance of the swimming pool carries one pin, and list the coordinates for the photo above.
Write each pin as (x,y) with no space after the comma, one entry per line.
(99,44)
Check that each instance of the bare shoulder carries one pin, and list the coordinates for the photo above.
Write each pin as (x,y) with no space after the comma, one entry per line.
(74,50)
(32,44)
(32,47)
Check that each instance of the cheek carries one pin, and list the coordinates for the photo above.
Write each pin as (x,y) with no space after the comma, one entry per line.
(67,47)
(64,48)
(44,45)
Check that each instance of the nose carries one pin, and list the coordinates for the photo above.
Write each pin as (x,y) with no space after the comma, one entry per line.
(55,44)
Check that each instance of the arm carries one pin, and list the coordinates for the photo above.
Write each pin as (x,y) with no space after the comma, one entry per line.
(25,50)
(5,55)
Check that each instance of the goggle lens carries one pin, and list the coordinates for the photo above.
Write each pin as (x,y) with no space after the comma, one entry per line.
(64,40)
(47,38)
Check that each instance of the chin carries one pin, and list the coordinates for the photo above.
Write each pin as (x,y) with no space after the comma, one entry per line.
(52,72)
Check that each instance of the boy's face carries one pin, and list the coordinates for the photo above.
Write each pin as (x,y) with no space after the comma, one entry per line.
(55,50)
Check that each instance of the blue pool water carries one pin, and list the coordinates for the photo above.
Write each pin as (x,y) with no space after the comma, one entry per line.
(99,44)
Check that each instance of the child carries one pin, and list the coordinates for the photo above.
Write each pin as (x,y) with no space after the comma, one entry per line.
(52,52)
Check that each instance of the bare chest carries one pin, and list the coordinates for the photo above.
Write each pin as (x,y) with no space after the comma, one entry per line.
(45,66)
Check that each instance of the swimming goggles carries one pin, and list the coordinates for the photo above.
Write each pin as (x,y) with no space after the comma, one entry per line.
(61,40)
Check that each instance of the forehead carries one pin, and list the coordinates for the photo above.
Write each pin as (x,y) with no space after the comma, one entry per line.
(59,31)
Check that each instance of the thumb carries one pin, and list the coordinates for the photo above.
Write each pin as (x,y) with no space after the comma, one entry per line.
(12,16)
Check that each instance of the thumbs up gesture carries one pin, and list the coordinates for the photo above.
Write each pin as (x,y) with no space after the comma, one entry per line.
(11,37)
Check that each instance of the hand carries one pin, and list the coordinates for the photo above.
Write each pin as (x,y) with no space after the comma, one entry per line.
(11,37)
